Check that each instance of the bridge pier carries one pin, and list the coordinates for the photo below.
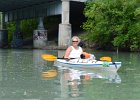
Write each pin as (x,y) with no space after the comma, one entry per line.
(40,35)
(3,33)
(3,38)
(64,37)
(17,41)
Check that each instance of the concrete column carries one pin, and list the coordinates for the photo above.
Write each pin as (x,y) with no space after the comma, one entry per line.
(17,41)
(3,32)
(0,20)
(64,36)
(65,11)
(3,38)
(3,21)
(40,35)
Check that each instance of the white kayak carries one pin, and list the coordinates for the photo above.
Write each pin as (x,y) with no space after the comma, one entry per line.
(87,63)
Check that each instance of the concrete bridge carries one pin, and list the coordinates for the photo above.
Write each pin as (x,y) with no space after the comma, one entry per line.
(17,10)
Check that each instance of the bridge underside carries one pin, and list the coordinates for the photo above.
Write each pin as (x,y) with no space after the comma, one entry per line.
(31,9)
(8,5)
(17,10)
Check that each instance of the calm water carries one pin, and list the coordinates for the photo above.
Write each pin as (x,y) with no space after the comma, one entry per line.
(24,75)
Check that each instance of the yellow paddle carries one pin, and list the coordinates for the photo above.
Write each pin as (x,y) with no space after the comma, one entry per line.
(108,59)
(50,57)
(49,73)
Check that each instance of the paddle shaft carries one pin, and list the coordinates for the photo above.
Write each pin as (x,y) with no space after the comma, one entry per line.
(50,57)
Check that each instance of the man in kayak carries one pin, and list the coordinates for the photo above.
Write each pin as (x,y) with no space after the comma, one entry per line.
(74,51)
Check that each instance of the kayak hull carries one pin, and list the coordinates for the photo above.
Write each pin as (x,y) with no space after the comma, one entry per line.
(85,63)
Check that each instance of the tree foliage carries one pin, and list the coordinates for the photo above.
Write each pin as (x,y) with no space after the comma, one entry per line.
(26,26)
(113,23)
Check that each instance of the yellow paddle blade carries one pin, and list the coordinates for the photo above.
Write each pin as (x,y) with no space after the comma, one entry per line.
(109,59)
(49,57)
(47,75)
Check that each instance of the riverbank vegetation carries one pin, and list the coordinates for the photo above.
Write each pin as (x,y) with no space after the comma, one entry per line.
(109,25)
(113,24)
(28,26)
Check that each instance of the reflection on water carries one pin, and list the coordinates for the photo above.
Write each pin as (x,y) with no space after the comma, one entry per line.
(21,78)
(73,81)
(24,75)
(111,77)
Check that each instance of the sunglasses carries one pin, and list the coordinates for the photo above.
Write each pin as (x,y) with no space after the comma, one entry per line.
(74,41)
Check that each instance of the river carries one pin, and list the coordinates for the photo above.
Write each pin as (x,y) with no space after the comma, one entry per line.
(24,75)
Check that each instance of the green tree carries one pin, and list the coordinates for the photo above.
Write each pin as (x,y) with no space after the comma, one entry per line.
(113,23)
(26,26)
